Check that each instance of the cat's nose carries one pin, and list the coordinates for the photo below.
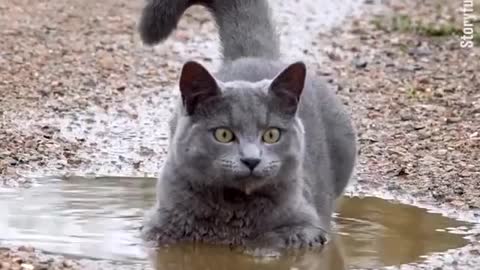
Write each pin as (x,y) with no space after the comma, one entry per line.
(251,163)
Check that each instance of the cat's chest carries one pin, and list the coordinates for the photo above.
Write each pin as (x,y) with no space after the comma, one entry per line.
(232,230)
(213,222)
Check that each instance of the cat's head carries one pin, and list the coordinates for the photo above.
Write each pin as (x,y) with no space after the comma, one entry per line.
(239,134)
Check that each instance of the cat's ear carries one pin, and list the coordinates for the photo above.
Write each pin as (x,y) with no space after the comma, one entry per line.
(196,85)
(288,86)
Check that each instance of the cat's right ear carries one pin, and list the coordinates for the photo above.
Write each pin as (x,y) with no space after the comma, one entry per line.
(197,85)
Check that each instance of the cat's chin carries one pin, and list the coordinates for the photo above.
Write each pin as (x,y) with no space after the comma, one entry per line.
(239,193)
(250,183)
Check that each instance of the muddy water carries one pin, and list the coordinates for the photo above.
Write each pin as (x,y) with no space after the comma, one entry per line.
(99,219)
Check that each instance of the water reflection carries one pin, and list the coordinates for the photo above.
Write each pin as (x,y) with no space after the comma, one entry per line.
(374,232)
(99,218)
(183,257)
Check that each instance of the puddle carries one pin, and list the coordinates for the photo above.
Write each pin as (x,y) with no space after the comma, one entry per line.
(99,219)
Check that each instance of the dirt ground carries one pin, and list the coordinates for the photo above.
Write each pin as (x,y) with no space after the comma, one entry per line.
(413,91)
(415,97)
(26,258)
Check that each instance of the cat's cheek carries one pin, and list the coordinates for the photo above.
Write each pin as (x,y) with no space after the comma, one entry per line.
(269,172)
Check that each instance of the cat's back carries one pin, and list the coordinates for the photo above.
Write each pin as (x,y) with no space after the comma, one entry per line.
(249,69)
(330,139)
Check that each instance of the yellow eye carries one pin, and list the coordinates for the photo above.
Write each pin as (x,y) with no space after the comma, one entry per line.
(272,135)
(223,135)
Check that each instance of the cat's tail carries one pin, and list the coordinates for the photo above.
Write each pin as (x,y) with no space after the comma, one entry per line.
(245,26)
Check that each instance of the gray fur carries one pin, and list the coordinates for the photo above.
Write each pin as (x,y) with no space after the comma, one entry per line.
(205,193)
(245,27)
(159,18)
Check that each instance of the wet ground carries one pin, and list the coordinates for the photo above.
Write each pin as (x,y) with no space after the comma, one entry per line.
(98,219)
(80,95)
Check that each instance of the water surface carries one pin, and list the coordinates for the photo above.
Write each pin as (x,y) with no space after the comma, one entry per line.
(99,218)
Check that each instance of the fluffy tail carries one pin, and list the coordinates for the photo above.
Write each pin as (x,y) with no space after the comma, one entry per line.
(245,26)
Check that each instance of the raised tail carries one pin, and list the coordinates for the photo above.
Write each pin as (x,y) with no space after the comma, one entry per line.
(245,26)
(159,18)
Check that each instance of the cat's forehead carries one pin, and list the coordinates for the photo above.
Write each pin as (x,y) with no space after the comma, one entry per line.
(245,85)
(244,106)
(246,97)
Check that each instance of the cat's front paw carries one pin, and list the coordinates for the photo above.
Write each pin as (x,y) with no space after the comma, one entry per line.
(154,236)
(304,237)
(307,237)
(155,229)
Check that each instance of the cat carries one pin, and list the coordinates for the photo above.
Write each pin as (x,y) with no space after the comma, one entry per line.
(258,151)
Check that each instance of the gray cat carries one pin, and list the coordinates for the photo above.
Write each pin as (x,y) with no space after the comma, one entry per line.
(259,151)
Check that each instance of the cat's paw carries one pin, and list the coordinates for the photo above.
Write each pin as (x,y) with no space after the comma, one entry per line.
(148,233)
(158,236)
(286,238)
(155,229)
(308,237)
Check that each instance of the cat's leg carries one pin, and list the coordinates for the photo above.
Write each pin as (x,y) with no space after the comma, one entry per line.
(293,228)
(297,229)
(343,150)
(151,226)
(343,160)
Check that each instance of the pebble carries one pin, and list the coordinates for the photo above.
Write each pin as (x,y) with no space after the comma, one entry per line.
(26,249)
(360,62)
(5,265)
(25,266)
(406,117)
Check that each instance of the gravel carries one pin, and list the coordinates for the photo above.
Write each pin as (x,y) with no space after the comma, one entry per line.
(415,100)
(416,103)
(79,94)
(26,258)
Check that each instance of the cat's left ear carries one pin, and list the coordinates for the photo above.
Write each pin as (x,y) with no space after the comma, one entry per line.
(197,85)
(288,86)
